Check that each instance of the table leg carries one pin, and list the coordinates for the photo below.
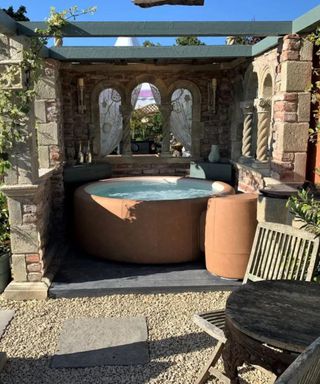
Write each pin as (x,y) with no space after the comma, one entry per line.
(232,359)
(240,349)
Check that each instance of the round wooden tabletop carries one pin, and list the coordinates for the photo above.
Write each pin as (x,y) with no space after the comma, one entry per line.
(284,314)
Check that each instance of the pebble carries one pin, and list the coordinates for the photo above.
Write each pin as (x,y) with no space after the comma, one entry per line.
(178,348)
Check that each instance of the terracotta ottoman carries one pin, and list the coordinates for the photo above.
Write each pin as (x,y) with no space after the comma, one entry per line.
(229,231)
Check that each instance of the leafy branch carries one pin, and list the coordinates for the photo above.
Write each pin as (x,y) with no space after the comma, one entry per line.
(306,209)
(57,20)
(17,91)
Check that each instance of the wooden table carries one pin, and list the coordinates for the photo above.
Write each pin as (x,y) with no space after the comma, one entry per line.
(268,323)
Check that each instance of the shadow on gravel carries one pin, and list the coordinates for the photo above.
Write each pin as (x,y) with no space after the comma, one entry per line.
(39,371)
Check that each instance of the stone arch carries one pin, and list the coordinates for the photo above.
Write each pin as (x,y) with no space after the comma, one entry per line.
(249,116)
(94,129)
(250,84)
(265,112)
(267,86)
(196,129)
(146,78)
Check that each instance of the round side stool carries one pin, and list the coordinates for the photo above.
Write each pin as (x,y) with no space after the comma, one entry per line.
(229,231)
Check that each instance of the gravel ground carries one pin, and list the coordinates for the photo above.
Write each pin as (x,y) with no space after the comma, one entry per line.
(178,348)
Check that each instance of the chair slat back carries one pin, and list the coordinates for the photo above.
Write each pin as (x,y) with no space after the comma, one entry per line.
(305,369)
(282,252)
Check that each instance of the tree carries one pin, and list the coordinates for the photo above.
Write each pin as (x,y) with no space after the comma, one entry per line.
(148,43)
(189,40)
(18,15)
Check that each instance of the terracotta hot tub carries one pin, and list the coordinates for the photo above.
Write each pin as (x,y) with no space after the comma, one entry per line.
(143,219)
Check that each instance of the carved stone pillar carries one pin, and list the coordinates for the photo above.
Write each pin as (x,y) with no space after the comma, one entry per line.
(126,111)
(165,110)
(247,110)
(263,106)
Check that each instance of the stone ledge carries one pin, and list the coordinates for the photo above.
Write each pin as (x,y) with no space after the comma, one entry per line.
(26,291)
(20,190)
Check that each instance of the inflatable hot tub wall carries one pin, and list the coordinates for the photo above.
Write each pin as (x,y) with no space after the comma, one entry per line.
(153,232)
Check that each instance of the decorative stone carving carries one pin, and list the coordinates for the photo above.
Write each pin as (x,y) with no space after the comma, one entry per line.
(12,68)
(263,106)
(247,110)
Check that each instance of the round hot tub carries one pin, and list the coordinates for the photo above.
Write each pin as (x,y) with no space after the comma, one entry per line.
(143,219)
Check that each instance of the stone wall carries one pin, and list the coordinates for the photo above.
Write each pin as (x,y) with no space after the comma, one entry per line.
(33,184)
(292,110)
(281,115)
(214,125)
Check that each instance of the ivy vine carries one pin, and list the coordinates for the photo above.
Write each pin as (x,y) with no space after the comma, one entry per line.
(17,91)
(15,101)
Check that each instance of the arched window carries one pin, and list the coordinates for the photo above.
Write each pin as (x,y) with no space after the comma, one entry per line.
(181,122)
(110,121)
(146,121)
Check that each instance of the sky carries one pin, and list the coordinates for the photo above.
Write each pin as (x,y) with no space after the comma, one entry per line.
(125,10)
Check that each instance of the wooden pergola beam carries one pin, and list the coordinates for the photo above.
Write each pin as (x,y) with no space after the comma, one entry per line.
(152,3)
(8,26)
(164,28)
(149,53)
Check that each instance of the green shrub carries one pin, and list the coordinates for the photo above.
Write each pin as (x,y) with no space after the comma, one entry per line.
(306,209)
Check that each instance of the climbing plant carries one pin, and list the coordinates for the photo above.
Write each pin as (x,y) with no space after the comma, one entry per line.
(17,91)
(57,20)
(15,100)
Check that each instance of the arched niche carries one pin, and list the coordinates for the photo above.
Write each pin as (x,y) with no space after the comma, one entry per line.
(146,78)
(97,132)
(267,93)
(192,92)
(146,119)
(267,88)
(250,84)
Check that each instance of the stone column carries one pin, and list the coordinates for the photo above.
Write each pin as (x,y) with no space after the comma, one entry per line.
(126,111)
(263,106)
(292,110)
(247,110)
(165,110)
(29,196)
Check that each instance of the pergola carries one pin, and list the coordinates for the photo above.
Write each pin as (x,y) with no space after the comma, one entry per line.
(270,30)
(251,100)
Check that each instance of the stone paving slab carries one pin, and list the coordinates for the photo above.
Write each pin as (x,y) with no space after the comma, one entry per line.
(5,318)
(102,341)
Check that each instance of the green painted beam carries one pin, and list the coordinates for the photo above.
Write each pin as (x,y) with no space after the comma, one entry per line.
(140,53)
(264,45)
(8,26)
(163,28)
(307,22)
